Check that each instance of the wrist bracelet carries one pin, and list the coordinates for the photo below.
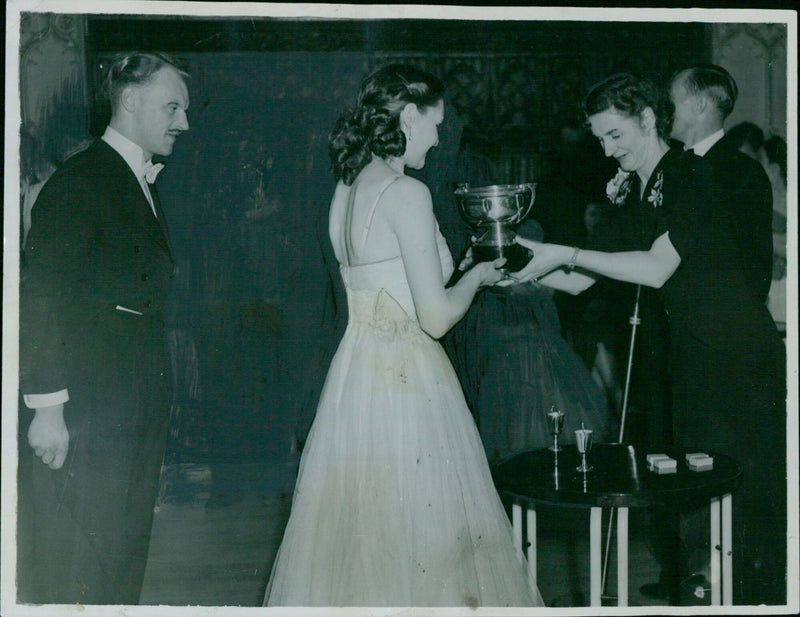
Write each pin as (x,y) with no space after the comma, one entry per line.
(571,264)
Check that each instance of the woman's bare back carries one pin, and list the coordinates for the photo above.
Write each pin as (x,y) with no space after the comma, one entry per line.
(359,230)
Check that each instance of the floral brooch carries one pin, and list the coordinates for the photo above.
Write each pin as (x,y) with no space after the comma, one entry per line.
(618,187)
(656,196)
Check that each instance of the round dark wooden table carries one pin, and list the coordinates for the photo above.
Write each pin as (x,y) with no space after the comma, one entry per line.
(620,479)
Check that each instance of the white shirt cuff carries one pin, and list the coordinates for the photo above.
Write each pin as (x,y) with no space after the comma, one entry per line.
(37,401)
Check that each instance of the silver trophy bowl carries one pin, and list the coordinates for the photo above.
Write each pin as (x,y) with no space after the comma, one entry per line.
(494,211)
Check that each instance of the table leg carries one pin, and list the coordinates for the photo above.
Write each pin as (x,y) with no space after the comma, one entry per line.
(516,524)
(622,556)
(715,551)
(595,528)
(727,550)
(532,545)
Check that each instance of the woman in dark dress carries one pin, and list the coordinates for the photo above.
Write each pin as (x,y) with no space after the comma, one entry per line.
(508,351)
(727,359)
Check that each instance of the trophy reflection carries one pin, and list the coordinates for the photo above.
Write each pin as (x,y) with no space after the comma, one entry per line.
(583,441)
(494,211)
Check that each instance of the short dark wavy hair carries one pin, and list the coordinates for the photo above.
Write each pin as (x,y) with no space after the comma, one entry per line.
(745,133)
(714,82)
(630,95)
(136,68)
(775,152)
(373,125)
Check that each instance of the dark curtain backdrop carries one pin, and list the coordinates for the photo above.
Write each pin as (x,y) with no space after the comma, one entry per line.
(248,186)
(244,188)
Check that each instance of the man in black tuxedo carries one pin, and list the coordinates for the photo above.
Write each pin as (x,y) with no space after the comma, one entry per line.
(94,364)
(703,97)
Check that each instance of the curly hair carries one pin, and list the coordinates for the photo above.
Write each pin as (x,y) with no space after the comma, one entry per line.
(373,125)
(136,68)
(630,95)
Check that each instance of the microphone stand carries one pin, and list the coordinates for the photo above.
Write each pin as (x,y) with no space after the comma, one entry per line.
(634,321)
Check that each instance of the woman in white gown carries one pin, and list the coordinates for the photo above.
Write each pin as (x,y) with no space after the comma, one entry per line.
(394,503)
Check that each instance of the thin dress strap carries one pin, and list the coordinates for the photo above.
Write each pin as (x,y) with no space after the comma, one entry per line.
(371,213)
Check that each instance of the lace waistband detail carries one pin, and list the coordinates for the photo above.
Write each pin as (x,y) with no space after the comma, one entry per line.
(381,312)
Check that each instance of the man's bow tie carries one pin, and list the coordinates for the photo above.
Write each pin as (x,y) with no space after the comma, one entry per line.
(151,171)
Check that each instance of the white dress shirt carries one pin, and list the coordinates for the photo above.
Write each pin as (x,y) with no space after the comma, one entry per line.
(704,145)
(134,157)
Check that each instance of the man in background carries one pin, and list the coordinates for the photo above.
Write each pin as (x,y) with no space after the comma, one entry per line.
(703,97)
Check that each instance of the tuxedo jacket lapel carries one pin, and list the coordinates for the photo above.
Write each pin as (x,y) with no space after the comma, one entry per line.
(134,199)
(144,213)
(162,219)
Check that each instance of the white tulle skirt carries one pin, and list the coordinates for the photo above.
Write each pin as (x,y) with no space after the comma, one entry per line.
(394,503)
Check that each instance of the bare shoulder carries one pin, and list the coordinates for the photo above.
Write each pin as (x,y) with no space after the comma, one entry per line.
(411,195)
(408,206)
(339,202)
(340,194)
(412,188)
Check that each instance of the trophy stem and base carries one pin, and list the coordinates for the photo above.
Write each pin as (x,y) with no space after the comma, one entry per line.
(517,256)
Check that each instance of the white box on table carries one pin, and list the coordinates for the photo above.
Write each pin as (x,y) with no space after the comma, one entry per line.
(701,463)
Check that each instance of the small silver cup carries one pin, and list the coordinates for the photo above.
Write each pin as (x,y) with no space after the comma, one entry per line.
(555,418)
(583,441)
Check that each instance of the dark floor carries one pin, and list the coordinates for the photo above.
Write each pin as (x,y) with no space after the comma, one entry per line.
(214,547)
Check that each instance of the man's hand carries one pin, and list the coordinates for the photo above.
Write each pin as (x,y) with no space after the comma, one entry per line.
(48,436)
